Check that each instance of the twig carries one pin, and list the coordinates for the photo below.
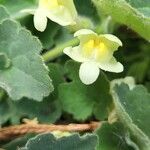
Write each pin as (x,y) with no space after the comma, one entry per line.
(19,130)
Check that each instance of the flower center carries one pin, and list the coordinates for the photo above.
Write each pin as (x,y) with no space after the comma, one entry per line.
(49,4)
(96,50)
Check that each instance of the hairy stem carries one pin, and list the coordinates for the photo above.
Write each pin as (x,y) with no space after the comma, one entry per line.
(58,50)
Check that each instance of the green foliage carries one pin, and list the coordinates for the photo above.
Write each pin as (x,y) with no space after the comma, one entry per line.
(122,12)
(4,61)
(139,72)
(18,142)
(53,92)
(15,6)
(27,70)
(87,10)
(47,111)
(93,99)
(132,107)
(114,137)
(50,142)
(3,13)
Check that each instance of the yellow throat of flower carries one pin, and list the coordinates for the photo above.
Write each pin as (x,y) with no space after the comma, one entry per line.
(96,50)
(49,4)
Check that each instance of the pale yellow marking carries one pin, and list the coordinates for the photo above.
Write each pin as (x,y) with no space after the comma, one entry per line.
(96,49)
(49,4)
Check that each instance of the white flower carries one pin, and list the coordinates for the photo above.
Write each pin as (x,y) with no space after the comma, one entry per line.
(95,52)
(62,12)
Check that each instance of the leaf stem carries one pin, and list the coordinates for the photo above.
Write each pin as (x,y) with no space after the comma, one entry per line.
(58,50)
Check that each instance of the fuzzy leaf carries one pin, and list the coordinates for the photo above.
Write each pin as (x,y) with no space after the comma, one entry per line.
(114,137)
(18,142)
(47,111)
(27,76)
(133,109)
(127,12)
(3,13)
(15,6)
(73,142)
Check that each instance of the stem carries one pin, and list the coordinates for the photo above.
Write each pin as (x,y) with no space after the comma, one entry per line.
(58,50)
(18,130)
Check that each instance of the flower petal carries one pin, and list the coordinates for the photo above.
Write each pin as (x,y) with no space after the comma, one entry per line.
(61,15)
(70,5)
(111,41)
(84,32)
(40,20)
(84,35)
(88,72)
(74,53)
(111,66)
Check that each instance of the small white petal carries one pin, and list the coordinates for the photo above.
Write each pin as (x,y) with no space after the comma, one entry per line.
(111,66)
(88,72)
(84,32)
(74,53)
(40,20)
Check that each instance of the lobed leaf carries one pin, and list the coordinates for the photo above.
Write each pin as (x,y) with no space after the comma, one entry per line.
(27,75)
(81,100)
(47,111)
(73,142)
(133,108)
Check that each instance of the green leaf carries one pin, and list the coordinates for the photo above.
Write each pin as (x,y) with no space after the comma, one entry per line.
(3,13)
(18,142)
(133,109)
(4,61)
(122,12)
(81,100)
(4,112)
(139,72)
(73,142)
(15,6)
(47,111)
(86,8)
(27,76)
(114,137)
(139,3)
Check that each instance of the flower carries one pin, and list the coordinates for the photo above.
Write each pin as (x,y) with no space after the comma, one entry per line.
(95,52)
(62,12)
